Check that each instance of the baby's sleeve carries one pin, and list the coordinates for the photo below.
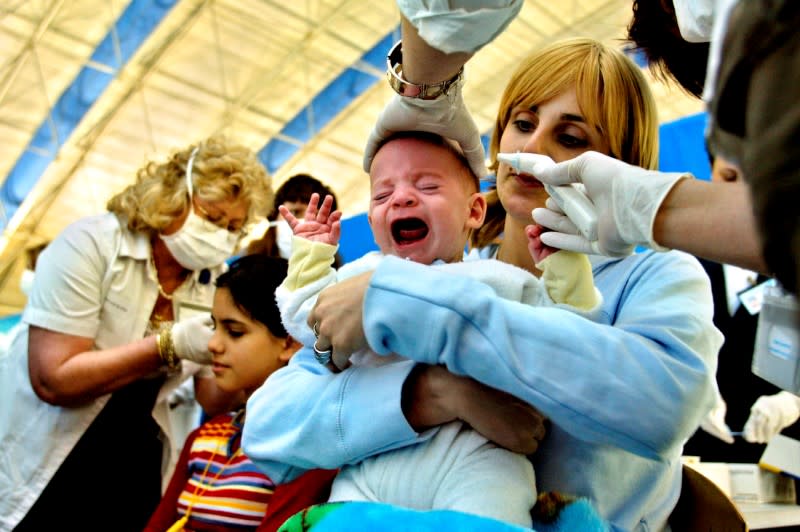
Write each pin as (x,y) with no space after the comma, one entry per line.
(568,279)
(310,271)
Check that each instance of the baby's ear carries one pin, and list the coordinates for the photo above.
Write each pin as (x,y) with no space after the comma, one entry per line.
(477,210)
(290,347)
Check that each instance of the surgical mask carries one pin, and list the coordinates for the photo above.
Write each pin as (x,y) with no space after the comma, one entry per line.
(284,238)
(26,281)
(695,19)
(199,244)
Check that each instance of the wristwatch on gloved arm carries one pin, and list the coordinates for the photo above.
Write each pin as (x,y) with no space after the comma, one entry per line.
(425,91)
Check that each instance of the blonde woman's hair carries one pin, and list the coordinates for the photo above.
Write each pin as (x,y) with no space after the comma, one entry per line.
(613,95)
(221,170)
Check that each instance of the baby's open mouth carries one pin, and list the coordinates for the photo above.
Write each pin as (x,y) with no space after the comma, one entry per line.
(409,230)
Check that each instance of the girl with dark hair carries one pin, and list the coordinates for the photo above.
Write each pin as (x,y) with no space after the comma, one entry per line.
(215,486)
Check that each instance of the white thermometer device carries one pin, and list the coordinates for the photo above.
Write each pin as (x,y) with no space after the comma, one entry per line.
(573,201)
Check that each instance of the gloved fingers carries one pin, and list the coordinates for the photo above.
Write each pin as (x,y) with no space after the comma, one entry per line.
(190,338)
(476,158)
(554,220)
(561,173)
(759,428)
(553,205)
(373,142)
(577,243)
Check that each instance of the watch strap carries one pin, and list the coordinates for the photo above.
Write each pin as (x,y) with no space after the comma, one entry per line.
(424,91)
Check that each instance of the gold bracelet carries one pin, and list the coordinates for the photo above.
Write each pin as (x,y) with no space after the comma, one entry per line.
(166,349)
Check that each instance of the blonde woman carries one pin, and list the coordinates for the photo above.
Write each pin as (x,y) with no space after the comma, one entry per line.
(87,379)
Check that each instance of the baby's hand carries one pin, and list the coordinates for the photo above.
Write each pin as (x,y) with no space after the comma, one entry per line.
(538,249)
(318,225)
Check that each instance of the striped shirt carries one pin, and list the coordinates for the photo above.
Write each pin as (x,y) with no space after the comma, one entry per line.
(224,489)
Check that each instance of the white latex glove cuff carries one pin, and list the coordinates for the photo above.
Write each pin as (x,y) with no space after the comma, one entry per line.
(636,207)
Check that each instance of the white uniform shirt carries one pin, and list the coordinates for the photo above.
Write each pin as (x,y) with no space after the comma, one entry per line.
(95,280)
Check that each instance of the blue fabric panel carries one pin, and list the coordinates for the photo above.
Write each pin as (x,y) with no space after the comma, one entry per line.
(683,146)
(356,238)
(326,105)
(8,322)
(134,25)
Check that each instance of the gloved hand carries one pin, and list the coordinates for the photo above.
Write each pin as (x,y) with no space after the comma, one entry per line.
(627,199)
(190,338)
(714,422)
(769,415)
(446,116)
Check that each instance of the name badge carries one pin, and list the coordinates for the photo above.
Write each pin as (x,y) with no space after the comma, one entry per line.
(188,309)
(752,299)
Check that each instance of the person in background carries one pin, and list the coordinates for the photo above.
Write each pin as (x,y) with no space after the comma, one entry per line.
(746,402)
(293,194)
(215,485)
(87,380)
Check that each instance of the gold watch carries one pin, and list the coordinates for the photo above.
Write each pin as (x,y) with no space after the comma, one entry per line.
(394,64)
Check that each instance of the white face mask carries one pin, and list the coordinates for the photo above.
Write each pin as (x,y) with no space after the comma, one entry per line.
(695,19)
(284,238)
(26,281)
(199,244)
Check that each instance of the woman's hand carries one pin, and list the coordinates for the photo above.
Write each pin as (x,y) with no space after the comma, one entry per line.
(433,396)
(336,318)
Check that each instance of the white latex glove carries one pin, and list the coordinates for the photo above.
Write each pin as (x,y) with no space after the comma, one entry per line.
(446,116)
(459,25)
(627,199)
(190,338)
(769,415)
(714,422)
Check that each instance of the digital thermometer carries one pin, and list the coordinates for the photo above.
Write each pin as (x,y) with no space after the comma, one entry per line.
(575,204)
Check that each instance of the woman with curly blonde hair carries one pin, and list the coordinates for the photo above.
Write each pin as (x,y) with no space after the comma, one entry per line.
(101,352)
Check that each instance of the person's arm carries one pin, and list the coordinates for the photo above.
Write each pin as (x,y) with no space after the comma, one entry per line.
(305,417)
(455,27)
(711,220)
(423,63)
(67,296)
(641,382)
(65,313)
(64,371)
(437,40)
(659,210)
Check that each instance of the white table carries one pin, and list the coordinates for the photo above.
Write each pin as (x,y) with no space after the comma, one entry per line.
(766,515)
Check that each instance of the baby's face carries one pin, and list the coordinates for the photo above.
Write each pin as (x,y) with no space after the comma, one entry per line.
(423,202)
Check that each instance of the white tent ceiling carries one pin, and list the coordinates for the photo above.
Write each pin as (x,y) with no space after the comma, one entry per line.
(288,79)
